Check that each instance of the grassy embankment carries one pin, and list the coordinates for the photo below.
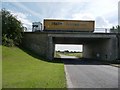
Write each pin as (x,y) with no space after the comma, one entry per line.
(56,55)
(0,67)
(21,70)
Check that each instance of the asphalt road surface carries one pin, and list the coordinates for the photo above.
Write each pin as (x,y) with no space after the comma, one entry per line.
(89,74)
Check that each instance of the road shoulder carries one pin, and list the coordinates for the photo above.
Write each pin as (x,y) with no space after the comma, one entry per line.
(69,82)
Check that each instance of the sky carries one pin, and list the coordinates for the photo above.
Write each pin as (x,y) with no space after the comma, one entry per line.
(119,13)
(104,12)
(70,47)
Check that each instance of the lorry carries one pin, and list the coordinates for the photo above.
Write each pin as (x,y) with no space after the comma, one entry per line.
(67,25)
(36,26)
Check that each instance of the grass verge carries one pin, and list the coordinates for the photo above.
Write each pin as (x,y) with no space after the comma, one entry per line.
(0,66)
(56,55)
(21,70)
(76,54)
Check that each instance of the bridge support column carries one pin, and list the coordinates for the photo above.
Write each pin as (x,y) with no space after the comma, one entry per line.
(51,47)
(118,37)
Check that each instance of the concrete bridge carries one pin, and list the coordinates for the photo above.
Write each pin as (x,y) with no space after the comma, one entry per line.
(103,46)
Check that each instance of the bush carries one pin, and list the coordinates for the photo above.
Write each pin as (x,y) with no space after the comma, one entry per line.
(7,41)
(11,29)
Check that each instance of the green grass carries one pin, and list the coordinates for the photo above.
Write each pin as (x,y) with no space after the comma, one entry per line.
(76,54)
(56,55)
(21,70)
(0,66)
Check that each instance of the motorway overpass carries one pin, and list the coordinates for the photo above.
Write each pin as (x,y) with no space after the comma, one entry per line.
(103,46)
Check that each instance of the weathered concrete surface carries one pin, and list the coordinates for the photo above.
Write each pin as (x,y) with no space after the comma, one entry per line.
(118,37)
(105,49)
(96,45)
(37,43)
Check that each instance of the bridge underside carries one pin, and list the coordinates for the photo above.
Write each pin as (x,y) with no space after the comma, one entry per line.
(97,46)
(92,47)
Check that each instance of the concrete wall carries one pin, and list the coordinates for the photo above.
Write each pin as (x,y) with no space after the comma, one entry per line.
(119,46)
(51,48)
(113,49)
(88,50)
(94,45)
(103,49)
(38,43)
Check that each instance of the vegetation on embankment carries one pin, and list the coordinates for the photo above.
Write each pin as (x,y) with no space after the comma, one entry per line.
(0,66)
(12,28)
(21,70)
(76,54)
(56,55)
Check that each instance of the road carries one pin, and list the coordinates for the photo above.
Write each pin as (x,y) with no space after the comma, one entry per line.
(65,56)
(89,74)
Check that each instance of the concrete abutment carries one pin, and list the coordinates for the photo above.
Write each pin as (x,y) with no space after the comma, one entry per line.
(95,45)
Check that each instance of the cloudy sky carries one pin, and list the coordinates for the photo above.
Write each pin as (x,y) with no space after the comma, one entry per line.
(104,12)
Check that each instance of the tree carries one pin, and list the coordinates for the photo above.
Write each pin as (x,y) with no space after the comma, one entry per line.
(66,51)
(11,29)
(115,29)
(118,28)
